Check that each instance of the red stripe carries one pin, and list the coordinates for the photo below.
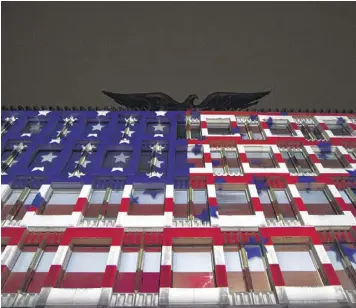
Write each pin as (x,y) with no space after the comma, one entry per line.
(264,125)
(212,201)
(323,126)
(331,274)
(294,126)
(207,157)
(277,276)
(169,205)
(314,158)
(233,124)
(204,124)
(214,233)
(53,275)
(221,276)
(349,159)
(342,204)
(241,113)
(125,204)
(109,276)
(299,204)
(165,276)
(29,248)
(80,205)
(116,234)
(352,126)
(243,158)
(32,208)
(256,204)
(90,248)
(279,157)
(269,232)
(14,235)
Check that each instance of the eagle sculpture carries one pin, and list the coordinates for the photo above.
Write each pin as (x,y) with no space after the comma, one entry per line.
(161,101)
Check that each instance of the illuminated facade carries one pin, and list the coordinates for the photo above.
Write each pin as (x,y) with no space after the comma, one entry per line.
(177,208)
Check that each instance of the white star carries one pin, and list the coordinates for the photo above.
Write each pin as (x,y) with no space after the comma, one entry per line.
(76,173)
(20,147)
(98,126)
(131,120)
(11,120)
(93,135)
(156,162)
(57,140)
(125,141)
(159,127)
(153,174)
(161,113)
(158,135)
(49,157)
(38,168)
(121,158)
(65,133)
(88,147)
(157,148)
(43,112)
(26,135)
(35,128)
(13,162)
(84,165)
(3,173)
(70,120)
(129,132)
(102,113)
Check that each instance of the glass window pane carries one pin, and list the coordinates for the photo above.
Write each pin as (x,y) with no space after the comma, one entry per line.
(93,262)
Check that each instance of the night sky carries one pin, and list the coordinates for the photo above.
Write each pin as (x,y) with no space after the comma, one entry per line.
(65,53)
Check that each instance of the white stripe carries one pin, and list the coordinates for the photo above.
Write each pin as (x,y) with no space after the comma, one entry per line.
(268,132)
(127,191)
(291,261)
(10,255)
(82,262)
(219,255)
(309,150)
(275,149)
(233,263)
(46,192)
(334,191)
(151,262)
(45,262)
(206,148)
(166,255)
(271,254)
(5,192)
(241,149)
(192,262)
(114,255)
(206,117)
(169,191)
(329,133)
(86,192)
(204,132)
(342,150)
(323,256)
(128,262)
(293,191)
(23,262)
(252,190)
(63,253)
(211,191)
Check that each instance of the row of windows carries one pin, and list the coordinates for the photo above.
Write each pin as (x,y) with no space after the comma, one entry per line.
(224,160)
(192,267)
(247,129)
(231,199)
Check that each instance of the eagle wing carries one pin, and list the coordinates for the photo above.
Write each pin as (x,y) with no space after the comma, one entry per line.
(228,100)
(142,101)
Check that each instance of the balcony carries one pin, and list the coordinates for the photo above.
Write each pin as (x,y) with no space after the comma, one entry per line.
(134,300)
(252,298)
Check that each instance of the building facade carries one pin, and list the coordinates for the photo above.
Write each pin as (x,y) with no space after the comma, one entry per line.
(144,208)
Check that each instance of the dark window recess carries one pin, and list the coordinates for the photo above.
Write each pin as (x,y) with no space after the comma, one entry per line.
(181,131)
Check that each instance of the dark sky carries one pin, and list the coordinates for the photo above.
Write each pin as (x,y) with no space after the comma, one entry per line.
(67,52)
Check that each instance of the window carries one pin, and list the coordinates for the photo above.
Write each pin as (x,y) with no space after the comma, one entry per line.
(219,127)
(86,267)
(117,159)
(348,195)
(310,131)
(184,208)
(193,266)
(19,278)
(147,161)
(339,129)
(280,127)
(330,160)
(340,266)
(276,204)
(94,128)
(62,202)
(317,202)
(195,157)
(181,131)
(132,266)
(33,127)
(296,161)
(44,160)
(233,201)
(114,204)
(225,161)
(250,130)
(260,157)
(195,131)
(254,276)
(148,201)
(77,154)
(8,148)
(95,205)
(298,265)
(14,206)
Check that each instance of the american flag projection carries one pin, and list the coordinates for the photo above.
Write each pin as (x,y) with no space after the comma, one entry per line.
(143,208)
